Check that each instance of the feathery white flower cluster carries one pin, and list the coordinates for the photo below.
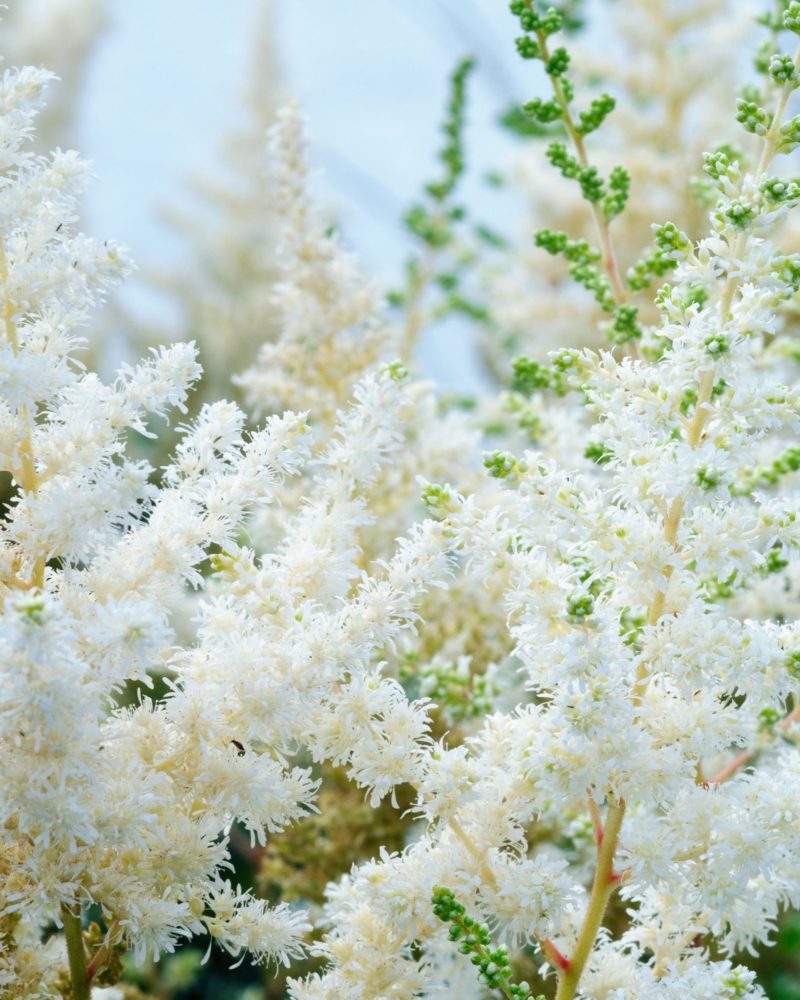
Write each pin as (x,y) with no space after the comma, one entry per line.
(595,623)
(125,810)
(647,695)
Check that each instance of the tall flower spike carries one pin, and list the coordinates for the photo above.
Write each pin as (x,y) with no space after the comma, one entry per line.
(329,335)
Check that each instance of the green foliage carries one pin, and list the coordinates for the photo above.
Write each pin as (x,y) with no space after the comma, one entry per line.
(775,561)
(452,154)
(789,271)
(432,223)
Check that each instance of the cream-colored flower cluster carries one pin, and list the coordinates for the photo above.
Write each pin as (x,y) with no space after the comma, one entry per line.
(575,669)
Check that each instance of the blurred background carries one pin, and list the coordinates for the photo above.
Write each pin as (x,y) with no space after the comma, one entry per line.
(165,84)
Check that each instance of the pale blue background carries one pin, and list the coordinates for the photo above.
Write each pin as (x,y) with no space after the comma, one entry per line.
(165,82)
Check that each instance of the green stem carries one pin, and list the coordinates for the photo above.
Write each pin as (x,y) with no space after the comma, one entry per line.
(76,954)
(602,889)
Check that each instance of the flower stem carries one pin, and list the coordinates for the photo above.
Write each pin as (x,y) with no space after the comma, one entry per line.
(76,954)
(602,889)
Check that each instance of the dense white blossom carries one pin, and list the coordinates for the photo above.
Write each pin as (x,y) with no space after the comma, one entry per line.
(571,666)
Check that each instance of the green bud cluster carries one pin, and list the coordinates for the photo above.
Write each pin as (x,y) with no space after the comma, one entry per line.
(583,259)
(492,964)
(598,453)
(580,607)
(716,345)
(589,179)
(600,108)
(789,272)
(558,63)
(780,190)
(781,69)
(721,163)
(438,499)
(768,717)
(531,20)
(641,274)
(502,465)
(774,562)
(452,154)
(544,112)
(791,17)
(790,135)
(528,47)
(563,161)
(619,184)
(624,328)
(531,376)
(740,214)
(753,117)
(654,264)
(707,479)
(459,692)
(672,242)
(558,243)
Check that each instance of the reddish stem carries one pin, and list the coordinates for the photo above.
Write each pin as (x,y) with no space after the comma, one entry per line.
(742,758)
(553,955)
